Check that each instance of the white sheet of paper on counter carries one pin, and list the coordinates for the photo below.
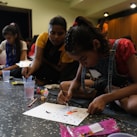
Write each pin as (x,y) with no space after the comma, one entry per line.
(59,113)
(23,64)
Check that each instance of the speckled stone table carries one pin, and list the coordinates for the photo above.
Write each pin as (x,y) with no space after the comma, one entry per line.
(14,124)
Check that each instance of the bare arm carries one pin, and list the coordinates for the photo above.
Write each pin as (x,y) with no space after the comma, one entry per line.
(36,63)
(129,90)
(23,55)
(75,84)
(37,60)
(77,80)
(78,75)
(11,67)
(99,103)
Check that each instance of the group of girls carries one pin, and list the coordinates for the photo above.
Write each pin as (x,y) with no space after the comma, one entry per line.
(55,56)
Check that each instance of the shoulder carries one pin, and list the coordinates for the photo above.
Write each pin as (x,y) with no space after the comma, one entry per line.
(125,48)
(42,40)
(64,56)
(24,45)
(3,44)
(43,35)
(23,42)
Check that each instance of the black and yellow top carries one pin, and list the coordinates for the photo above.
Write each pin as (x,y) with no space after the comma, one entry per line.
(52,53)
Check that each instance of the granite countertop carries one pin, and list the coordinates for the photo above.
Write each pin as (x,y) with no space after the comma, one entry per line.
(14,124)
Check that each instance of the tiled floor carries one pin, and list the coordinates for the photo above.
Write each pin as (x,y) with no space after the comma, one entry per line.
(14,124)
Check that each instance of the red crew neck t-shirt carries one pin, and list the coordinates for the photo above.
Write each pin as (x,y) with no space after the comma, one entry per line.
(125,49)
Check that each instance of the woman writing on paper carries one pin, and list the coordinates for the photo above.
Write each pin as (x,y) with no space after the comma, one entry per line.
(16,49)
(115,60)
(51,62)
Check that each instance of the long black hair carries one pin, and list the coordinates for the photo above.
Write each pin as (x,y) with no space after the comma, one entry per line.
(13,29)
(58,20)
(81,35)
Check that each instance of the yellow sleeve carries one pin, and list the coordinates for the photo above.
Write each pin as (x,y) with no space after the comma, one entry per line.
(42,40)
(64,57)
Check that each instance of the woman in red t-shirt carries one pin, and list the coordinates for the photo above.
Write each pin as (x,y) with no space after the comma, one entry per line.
(115,62)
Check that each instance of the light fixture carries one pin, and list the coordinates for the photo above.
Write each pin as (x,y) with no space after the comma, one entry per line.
(106,14)
(133,5)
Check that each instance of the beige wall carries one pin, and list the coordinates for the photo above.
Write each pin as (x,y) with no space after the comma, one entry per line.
(44,10)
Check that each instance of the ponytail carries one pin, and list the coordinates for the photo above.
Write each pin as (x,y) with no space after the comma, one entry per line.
(81,35)
(82,21)
(13,29)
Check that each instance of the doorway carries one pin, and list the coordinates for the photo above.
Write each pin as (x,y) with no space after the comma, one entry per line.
(23,17)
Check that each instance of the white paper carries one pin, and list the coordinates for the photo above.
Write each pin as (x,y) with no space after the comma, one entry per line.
(23,64)
(52,86)
(94,73)
(59,113)
(96,128)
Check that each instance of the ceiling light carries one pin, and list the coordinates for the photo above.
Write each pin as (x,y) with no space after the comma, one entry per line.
(106,14)
(133,5)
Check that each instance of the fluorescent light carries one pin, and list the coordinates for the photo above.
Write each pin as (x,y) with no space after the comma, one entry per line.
(106,14)
(133,5)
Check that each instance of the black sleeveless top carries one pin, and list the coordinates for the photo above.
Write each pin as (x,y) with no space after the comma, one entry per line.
(52,53)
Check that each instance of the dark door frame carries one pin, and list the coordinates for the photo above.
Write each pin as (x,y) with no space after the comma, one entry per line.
(20,10)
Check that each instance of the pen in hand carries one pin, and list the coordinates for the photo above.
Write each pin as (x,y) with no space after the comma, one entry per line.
(64,93)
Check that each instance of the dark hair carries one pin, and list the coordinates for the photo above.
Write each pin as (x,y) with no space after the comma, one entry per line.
(58,20)
(13,29)
(81,35)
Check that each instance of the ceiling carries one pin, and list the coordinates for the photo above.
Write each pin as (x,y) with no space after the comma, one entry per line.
(96,8)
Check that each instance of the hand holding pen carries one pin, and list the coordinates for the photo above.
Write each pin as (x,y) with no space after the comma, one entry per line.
(64,96)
